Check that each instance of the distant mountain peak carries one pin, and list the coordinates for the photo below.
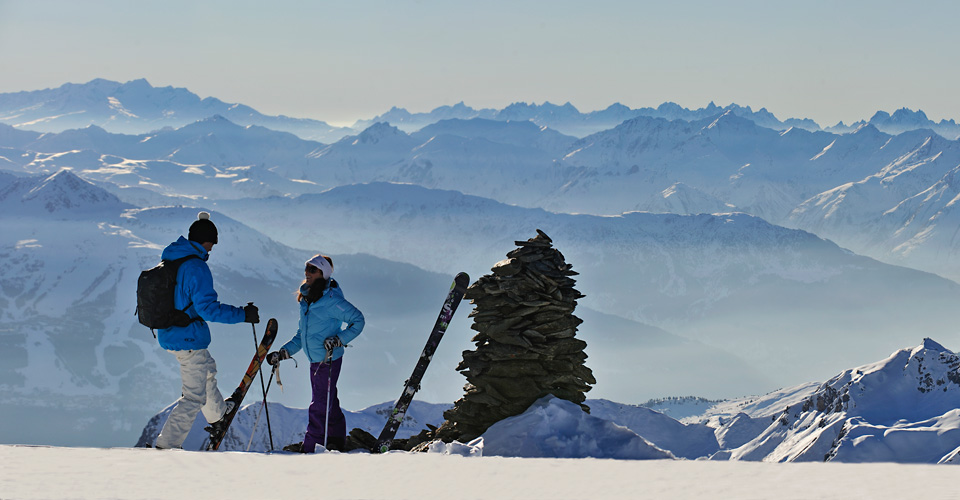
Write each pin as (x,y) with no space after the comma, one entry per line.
(905,114)
(729,118)
(65,192)
(214,122)
(377,132)
(894,410)
(137,107)
(138,84)
(931,345)
(925,379)
(617,107)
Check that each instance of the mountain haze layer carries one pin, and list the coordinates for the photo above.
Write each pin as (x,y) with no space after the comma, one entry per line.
(80,370)
(732,281)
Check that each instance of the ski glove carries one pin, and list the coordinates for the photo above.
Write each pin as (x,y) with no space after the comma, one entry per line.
(331,343)
(277,356)
(251,314)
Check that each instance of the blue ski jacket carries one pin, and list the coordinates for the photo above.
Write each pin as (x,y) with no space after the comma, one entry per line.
(194,288)
(322,319)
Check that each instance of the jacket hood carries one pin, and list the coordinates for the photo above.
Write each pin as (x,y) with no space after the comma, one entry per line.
(182,248)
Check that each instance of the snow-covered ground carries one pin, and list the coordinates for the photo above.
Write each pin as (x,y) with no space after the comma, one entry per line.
(903,409)
(140,473)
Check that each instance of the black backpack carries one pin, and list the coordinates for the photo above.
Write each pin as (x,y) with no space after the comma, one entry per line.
(155,290)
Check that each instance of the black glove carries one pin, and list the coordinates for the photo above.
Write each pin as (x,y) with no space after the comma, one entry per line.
(251,314)
(331,343)
(277,356)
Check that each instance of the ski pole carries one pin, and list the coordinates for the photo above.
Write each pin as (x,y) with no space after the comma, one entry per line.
(257,421)
(326,416)
(263,387)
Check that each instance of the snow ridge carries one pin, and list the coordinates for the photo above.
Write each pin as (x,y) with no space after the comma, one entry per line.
(901,409)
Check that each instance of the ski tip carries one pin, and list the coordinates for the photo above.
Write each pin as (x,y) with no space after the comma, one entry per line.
(462,279)
(272,324)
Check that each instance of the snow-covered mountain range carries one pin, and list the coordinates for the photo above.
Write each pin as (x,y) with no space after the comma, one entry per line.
(885,196)
(569,120)
(902,409)
(902,120)
(137,107)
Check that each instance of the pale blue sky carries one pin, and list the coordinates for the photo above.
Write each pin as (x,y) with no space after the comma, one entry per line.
(346,60)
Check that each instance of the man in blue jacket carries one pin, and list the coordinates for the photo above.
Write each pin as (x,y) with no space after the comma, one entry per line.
(195,296)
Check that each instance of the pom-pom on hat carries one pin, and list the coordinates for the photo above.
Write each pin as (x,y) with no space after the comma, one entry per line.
(320,262)
(203,230)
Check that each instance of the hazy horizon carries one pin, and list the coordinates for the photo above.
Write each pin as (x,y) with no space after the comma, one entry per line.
(344,62)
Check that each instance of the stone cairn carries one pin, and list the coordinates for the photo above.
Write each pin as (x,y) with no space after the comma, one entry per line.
(526,345)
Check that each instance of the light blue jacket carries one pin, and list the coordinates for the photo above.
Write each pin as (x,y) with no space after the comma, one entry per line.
(322,319)
(194,284)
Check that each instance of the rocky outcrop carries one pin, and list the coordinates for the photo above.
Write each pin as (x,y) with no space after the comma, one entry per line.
(526,340)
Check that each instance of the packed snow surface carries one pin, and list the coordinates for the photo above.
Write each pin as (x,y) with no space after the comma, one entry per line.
(140,473)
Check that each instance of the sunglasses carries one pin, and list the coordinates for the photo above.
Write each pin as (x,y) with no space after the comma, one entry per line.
(311,269)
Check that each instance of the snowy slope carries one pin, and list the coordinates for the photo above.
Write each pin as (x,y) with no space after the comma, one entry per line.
(762,171)
(555,428)
(522,133)
(904,213)
(159,180)
(689,441)
(91,473)
(902,409)
(511,162)
(684,200)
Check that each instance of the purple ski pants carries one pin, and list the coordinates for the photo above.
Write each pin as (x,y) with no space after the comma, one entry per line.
(337,435)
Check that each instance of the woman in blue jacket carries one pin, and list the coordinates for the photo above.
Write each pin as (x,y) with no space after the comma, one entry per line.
(327,324)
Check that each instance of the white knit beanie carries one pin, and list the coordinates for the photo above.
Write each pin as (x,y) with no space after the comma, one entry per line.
(321,263)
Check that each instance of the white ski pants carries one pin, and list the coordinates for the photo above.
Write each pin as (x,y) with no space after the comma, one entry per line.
(198,372)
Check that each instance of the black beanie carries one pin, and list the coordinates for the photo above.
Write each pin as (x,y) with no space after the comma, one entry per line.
(202,230)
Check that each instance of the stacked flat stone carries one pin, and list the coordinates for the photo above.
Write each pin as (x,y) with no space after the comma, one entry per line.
(526,340)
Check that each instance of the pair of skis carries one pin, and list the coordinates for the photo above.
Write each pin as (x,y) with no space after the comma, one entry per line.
(218,432)
(411,386)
